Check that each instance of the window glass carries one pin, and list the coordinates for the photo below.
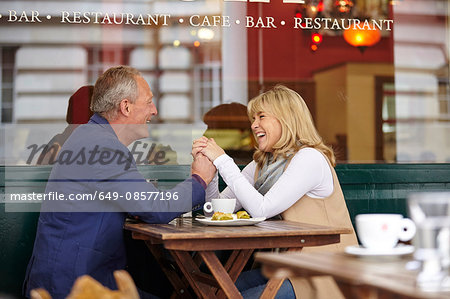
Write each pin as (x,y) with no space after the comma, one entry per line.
(374,73)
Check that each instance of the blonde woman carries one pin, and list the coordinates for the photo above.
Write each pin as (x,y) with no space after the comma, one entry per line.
(291,176)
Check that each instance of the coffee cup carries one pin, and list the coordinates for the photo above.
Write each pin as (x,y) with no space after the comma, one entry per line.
(383,231)
(224,205)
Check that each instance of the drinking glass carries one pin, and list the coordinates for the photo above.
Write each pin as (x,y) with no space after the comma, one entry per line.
(431,213)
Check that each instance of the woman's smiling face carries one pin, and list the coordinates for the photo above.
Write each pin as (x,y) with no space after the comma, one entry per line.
(267,130)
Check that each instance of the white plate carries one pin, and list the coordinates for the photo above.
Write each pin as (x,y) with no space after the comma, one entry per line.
(396,251)
(234,222)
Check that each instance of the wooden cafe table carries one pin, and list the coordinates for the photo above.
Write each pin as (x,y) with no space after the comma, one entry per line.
(183,236)
(381,277)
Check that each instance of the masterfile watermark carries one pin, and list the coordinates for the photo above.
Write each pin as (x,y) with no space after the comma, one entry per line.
(98,155)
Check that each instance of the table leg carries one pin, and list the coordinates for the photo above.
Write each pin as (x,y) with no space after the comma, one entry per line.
(231,259)
(197,259)
(221,275)
(235,265)
(189,268)
(180,287)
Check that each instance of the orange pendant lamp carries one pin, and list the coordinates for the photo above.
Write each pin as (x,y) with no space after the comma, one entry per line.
(362,38)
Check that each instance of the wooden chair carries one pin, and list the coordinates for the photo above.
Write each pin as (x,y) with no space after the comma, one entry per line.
(87,287)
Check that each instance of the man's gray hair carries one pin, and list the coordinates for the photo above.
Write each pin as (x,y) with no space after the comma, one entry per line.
(114,85)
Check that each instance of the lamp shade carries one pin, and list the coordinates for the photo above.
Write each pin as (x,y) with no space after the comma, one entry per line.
(362,37)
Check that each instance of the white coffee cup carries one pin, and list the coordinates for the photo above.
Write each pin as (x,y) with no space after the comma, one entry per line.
(224,205)
(383,231)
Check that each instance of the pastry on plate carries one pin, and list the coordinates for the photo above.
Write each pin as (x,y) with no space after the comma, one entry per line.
(222,216)
(243,215)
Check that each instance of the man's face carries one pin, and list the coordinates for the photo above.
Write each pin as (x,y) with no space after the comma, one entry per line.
(142,110)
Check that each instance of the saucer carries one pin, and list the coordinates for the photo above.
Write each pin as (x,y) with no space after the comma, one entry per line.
(396,251)
(234,222)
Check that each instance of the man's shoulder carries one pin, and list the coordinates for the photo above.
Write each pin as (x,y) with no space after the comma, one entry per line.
(91,150)
(91,135)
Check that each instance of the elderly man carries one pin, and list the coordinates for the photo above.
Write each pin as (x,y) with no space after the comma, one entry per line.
(77,237)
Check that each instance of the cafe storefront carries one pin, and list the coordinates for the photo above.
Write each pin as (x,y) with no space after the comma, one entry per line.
(373,73)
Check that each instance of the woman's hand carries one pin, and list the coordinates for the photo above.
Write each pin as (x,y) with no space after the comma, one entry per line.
(198,145)
(202,166)
(212,150)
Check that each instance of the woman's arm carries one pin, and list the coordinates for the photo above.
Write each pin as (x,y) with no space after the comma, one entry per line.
(212,191)
(307,172)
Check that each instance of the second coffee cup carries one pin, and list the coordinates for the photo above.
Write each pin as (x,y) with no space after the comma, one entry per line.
(383,231)
(224,205)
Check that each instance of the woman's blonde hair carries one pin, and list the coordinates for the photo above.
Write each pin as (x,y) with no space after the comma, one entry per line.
(297,127)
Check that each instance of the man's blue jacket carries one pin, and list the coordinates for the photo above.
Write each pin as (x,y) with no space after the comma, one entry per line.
(70,243)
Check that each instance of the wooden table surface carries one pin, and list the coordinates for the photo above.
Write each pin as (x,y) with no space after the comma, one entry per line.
(188,228)
(188,234)
(185,235)
(357,277)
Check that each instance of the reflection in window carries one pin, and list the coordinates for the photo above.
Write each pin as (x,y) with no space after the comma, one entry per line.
(389,103)
(444,95)
(422,81)
(101,58)
(207,77)
(388,123)
(207,80)
(7,58)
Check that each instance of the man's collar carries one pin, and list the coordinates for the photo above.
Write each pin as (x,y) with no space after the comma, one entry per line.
(103,122)
(98,119)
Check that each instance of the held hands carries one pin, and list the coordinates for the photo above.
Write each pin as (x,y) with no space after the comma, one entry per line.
(205,151)
(203,167)
(207,147)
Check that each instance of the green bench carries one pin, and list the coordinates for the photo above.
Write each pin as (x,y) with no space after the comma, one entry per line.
(368,188)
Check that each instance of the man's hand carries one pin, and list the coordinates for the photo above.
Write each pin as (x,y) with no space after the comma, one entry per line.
(203,167)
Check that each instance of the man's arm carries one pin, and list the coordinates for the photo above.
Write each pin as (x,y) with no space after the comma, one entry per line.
(203,171)
(203,167)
